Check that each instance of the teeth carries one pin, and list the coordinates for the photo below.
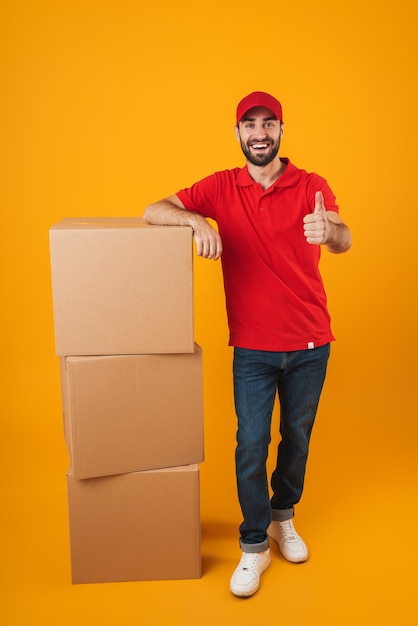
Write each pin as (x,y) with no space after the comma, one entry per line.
(259,146)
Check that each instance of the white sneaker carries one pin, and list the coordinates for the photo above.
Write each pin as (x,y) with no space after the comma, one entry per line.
(246,578)
(291,545)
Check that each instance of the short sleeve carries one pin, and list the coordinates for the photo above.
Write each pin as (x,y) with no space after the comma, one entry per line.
(201,197)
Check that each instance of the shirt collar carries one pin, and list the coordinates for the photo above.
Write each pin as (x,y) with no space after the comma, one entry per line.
(289,178)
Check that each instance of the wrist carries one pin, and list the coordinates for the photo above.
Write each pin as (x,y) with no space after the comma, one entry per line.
(194,219)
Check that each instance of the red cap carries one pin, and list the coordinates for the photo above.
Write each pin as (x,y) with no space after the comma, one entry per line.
(259,99)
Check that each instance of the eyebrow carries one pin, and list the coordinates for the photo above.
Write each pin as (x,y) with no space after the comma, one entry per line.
(252,119)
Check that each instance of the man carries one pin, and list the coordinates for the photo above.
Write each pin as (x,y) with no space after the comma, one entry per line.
(272,219)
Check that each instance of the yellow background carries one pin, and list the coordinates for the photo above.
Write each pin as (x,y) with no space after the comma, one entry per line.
(108,105)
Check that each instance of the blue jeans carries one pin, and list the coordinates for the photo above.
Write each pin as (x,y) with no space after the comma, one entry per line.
(298,378)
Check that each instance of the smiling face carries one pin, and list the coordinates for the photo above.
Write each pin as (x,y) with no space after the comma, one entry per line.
(259,133)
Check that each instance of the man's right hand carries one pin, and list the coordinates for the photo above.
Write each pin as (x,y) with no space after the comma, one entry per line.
(208,241)
(171,212)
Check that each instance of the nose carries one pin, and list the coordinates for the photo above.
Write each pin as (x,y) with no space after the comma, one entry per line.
(260,132)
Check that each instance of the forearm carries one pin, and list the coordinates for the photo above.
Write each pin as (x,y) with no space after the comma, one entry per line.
(171,212)
(339,238)
(168,212)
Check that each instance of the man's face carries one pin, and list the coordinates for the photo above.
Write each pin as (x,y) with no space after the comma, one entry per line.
(259,133)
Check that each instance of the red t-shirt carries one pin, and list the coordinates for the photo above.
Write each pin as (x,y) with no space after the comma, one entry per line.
(274,292)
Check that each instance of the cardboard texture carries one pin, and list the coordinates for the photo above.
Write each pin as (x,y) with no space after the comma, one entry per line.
(138,526)
(121,286)
(132,413)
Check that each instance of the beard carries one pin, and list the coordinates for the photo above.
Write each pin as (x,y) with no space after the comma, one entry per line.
(264,158)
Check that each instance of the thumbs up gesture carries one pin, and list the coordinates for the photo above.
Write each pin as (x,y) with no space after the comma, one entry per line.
(316,226)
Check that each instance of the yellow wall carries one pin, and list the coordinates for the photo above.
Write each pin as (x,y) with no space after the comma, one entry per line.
(110,104)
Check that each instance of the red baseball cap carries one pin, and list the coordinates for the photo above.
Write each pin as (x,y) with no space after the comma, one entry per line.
(259,99)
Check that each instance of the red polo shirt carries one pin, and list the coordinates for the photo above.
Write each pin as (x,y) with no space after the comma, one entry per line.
(274,293)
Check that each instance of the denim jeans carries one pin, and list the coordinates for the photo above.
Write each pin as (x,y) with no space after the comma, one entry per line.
(298,378)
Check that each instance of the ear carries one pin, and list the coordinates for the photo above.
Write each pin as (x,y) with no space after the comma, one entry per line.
(236,130)
(281,129)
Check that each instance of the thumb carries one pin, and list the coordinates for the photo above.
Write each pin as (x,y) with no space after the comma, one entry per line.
(319,202)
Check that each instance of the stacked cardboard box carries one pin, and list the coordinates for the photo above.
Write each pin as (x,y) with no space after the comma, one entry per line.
(131,378)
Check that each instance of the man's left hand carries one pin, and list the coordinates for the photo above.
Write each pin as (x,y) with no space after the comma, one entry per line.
(317,227)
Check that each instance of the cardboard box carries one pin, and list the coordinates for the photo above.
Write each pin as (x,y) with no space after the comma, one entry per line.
(121,286)
(132,412)
(139,526)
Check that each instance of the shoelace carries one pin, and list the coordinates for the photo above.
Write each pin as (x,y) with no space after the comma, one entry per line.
(288,531)
(248,561)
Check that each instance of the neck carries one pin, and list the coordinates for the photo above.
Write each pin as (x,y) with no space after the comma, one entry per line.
(266,175)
